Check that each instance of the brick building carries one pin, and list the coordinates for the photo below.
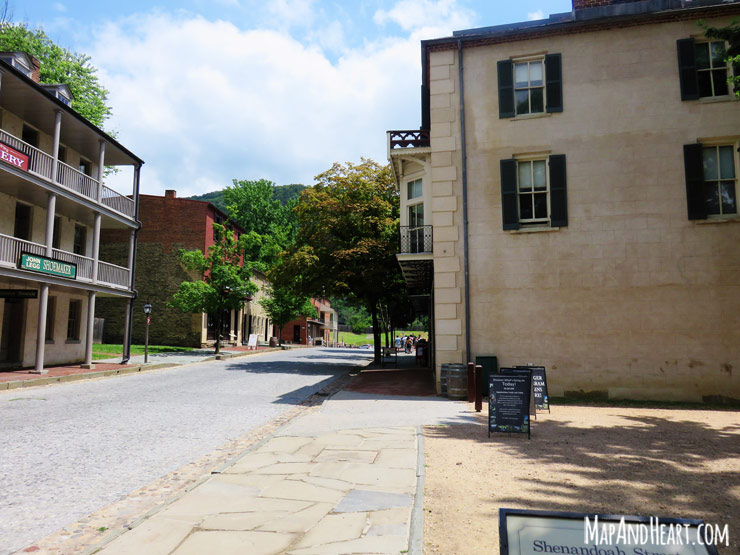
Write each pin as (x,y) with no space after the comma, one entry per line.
(571,199)
(168,225)
(321,330)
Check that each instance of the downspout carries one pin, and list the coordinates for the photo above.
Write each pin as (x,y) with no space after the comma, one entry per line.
(464,199)
(127,353)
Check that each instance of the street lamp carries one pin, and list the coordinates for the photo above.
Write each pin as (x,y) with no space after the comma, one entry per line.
(147,311)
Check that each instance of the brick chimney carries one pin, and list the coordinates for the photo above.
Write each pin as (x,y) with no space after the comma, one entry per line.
(36,71)
(582,4)
(170,193)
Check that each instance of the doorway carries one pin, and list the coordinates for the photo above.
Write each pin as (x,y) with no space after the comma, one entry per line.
(296,333)
(11,340)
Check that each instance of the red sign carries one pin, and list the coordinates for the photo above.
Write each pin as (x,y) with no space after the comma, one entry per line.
(13,157)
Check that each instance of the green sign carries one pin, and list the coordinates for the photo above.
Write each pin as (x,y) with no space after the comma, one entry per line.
(50,266)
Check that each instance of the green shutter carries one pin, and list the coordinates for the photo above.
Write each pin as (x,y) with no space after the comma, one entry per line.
(694,169)
(558,192)
(687,69)
(509,201)
(506,89)
(554,83)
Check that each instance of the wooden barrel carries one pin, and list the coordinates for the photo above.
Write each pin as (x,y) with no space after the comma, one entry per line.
(457,381)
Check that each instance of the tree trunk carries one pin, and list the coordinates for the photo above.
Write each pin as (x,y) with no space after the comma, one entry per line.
(376,331)
(280,336)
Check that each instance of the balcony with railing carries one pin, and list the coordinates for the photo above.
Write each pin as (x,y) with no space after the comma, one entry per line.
(40,164)
(415,240)
(404,139)
(109,275)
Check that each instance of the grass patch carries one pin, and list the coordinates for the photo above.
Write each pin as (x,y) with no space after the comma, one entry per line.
(349,338)
(108,350)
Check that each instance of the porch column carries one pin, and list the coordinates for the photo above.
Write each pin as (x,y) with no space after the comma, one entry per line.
(55,148)
(44,293)
(130,308)
(96,246)
(101,167)
(90,330)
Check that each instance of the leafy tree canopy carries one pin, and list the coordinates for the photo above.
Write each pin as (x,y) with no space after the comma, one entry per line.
(60,66)
(221,281)
(347,235)
(283,193)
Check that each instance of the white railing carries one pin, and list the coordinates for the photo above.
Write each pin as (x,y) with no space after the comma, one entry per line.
(83,263)
(77,181)
(39,162)
(115,276)
(108,274)
(118,202)
(11,249)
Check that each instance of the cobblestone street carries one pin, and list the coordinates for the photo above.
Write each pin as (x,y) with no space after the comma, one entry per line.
(67,450)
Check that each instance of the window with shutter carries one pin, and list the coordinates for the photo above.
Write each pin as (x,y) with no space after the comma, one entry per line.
(711,180)
(530,85)
(703,69)
(533,192)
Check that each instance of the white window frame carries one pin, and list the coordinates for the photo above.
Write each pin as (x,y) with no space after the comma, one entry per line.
(711,68)
(530,159)
(734,145)
(412,184)
(528,60)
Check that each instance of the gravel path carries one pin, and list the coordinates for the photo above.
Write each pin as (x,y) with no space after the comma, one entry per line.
(67,450)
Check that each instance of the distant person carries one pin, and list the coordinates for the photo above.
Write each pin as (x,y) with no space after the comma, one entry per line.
(409,344)
(398,343)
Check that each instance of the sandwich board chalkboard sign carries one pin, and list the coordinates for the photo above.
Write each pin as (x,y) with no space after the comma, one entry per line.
(539,387)
(524,371)
(509,403)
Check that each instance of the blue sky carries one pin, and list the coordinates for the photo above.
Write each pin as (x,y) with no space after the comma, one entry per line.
(207,91)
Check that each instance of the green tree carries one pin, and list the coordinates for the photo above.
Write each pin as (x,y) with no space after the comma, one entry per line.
(347,236)
(360,321)
(221,280)
(270,225)
(60,66)
(284,305)
(731,35)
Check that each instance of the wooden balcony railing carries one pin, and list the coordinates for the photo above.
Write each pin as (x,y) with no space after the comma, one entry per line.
(108,274)
(408,139)
(40,164)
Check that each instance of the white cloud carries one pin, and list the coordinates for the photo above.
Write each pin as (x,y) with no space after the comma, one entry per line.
(58,6)
(427,18)
(203,102)
(532,16)
(292,12)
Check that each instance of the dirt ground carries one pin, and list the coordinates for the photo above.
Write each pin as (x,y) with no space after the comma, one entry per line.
(633,461)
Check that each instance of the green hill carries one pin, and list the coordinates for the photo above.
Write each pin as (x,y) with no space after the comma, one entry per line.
(283,193)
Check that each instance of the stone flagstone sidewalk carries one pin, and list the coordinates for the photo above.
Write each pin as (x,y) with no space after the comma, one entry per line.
(349,491)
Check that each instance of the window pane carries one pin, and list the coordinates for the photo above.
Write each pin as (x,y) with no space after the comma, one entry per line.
(710,163)
(538,103)
(525,176)
(727,194)
(540,205)
(718,54)
(540,177)
(522,102)
(535,74)
(711,194)
(719,76)
(702,55)
(705,83)
(726,163)
(525,207)
(521,75)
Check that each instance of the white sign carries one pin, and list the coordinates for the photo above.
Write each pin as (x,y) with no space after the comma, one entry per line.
(252,340)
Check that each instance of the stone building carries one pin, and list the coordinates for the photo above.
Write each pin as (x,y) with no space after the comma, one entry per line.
(170,224)
(571,199)
(53,209)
